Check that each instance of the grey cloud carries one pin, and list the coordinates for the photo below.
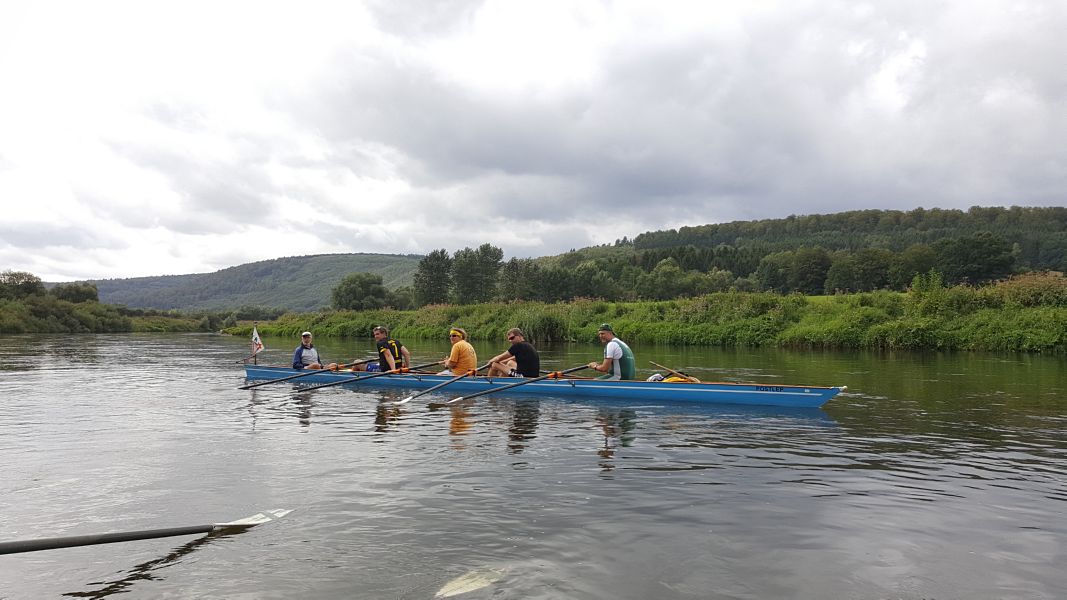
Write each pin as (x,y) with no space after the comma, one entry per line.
(781,115)
(48,235)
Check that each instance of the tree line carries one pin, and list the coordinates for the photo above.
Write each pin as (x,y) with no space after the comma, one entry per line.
(27,305)
(477,275)
(1038,235)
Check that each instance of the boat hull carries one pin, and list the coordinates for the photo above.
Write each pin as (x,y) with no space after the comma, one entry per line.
(714,393)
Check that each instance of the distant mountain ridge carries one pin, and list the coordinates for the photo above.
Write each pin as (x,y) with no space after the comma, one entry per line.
(297,283)
(305,283)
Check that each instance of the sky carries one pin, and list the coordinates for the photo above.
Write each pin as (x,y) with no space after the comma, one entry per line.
(153,138)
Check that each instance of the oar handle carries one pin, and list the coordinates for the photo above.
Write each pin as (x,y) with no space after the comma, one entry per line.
(552,375)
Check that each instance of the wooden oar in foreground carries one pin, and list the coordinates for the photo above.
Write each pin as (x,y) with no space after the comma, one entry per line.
(441,385)
(552,375)
(305,373)
(688,378)
(371,376)
(129,536)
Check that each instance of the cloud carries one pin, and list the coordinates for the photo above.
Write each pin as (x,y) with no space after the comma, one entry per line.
(397,127)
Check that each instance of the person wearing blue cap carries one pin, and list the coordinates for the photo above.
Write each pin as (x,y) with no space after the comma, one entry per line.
(618,358)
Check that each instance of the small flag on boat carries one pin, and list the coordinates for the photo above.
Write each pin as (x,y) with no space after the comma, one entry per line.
(257,344)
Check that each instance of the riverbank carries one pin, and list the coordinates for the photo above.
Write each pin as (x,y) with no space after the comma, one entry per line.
(1026,314)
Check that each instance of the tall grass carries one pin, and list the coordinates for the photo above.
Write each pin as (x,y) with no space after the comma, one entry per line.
(1027,314)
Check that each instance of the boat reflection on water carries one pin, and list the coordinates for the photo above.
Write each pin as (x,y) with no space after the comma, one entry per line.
(618,423)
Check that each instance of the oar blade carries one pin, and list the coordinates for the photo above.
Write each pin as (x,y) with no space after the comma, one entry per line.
(468,582)
(257,519)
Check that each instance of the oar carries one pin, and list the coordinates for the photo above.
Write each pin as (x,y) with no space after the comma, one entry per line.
(553,375)
(246,359)
(305,373)
(129,536)
(371,376)
(441,385)
(690,378)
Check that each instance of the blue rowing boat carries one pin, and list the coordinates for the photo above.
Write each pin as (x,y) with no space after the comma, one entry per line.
(565,387)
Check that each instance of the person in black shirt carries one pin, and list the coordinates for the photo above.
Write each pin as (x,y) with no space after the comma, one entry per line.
(520,360)
(391,353)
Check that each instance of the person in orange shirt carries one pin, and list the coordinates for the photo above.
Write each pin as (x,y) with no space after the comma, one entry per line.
(463,358)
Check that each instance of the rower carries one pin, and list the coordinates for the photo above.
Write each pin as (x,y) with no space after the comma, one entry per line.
(618,358)
(520,360)
(462,358)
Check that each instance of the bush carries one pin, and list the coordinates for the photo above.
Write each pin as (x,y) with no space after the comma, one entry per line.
(1033,289)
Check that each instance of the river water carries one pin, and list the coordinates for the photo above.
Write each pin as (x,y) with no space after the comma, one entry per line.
(934,476)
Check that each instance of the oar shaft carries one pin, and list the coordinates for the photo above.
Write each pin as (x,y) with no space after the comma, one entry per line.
(304,373)
(103,538)
(444,383)
(673,372)
(517,384)
(371,376)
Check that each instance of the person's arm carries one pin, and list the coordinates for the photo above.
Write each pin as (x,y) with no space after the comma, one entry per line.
(611,352)
(388,354)
(406,356)
(297,363)
(453,358)
(604,367)
(501,357)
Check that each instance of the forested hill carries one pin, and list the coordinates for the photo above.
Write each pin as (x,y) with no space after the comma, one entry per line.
(299,283)
(1040,233)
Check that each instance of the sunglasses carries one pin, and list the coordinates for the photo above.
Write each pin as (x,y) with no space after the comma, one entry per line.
(452,335)
(511,337)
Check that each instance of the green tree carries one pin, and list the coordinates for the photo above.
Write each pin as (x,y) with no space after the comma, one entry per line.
(360,291)
(20,284)
(554,284)
(914,260)
(773,271)
(474,274)
(663,282)
(76,292)
(841,277)
(872,269)
(518,279)
(808,274)
(402,298)
(974,259)
(433,278)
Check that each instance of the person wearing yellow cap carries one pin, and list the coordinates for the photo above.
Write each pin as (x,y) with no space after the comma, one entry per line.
(463,358)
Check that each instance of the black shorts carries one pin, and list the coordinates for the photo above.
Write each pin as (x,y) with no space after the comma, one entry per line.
(514,373)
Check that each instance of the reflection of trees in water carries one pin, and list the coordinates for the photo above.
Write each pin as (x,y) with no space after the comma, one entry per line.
(146,570)
(524,418)
(618,427)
